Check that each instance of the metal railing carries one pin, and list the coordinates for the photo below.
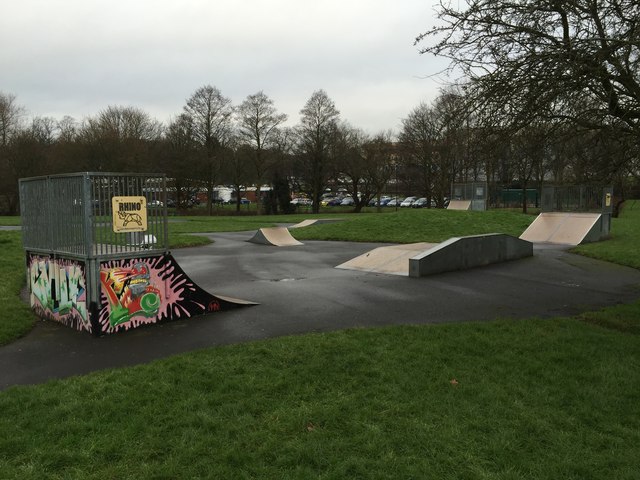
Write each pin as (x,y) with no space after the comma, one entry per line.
(72,215)
(577,198)
(476,192)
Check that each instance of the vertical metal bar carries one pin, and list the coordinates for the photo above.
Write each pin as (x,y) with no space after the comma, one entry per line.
(165,223)
(88,227)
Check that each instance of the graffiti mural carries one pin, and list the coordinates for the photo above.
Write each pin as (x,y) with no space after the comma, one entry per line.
(58,290)
(130,293)
(147,290)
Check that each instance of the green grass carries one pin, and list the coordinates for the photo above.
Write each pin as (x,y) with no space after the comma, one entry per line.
(16,317)
(9,220)
(624,245)
(501,400)
(402,226)
(422,225)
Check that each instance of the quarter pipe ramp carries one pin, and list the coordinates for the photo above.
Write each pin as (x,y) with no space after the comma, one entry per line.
(275,236)
(459,205)
(564,228)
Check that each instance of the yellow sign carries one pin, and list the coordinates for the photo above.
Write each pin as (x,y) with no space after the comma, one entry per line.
(129,214)
(607,201)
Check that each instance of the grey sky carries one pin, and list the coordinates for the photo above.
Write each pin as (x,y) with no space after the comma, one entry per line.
(76,57)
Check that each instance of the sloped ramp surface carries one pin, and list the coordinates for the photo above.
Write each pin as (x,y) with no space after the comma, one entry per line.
(459,205)
(149,290)
(275,236)
(564,228)
(392,260)
(316,221)
(458,253)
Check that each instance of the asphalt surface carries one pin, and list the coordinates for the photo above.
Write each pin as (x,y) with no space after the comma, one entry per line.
(299,291)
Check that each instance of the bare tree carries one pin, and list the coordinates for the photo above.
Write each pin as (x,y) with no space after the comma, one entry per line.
(419,139)
(380,162)
(210,114)
(258,122)
(316,133)
(435,142)
(120,138)
(351,164)
(575,60)
(11,115)
(180,155)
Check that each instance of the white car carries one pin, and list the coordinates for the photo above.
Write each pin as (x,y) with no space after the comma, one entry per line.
(407,202)
(301,201)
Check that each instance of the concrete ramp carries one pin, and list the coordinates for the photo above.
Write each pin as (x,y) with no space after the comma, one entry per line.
(421,259)
(317,221)
(461,253)
(392,260)
(564,228)
(275,236)
(459,205)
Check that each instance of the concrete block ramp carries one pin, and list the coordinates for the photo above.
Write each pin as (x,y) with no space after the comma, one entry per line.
(275,236)
(462,253)
(459,253)
(564,228)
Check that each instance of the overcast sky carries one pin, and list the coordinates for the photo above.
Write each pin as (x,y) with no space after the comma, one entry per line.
(77,57)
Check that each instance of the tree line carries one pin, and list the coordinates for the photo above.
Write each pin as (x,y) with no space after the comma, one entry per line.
(546,91)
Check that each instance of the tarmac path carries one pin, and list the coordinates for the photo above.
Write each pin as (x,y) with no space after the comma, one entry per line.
(300,291)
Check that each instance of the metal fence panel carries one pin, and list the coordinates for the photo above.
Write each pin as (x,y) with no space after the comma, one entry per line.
(72,215)
(476,192)
(575,198)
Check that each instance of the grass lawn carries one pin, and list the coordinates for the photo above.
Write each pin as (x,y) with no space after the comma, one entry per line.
(624,244)
(402,226)
(16,317)
(538,399)
(421,225)
(504,400)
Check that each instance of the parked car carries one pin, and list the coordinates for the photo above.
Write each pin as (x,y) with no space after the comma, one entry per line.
(301,201)
(420,203)
(154,203)
(408,201)
(394,202)
(384,199)
(334,202)
(347,202)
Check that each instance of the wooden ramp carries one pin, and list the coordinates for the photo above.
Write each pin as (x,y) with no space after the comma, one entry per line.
(275,236)
(564,228)
(392,260)
(316,221)
(458,253)
(459,205)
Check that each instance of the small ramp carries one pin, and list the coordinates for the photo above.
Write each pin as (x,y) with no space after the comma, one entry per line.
(317,221)
(149,290)
(459,205)
(564,228)
(458,253)
(392,260)
(275,236)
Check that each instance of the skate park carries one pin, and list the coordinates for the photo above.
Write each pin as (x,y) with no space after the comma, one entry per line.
(297,289)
